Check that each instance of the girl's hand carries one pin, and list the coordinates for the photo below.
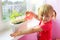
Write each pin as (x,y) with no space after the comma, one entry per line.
(15,34)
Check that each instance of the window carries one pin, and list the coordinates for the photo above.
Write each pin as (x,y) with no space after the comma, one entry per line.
(19,6)
(8,6)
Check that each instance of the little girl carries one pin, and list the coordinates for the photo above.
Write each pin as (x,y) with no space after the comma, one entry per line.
(44,29)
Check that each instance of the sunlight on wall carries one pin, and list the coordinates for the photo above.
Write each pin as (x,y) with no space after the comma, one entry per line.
(34,3)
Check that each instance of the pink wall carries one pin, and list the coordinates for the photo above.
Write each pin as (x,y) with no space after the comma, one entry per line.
(32,36)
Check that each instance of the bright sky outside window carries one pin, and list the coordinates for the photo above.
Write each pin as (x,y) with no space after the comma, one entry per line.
(14,0)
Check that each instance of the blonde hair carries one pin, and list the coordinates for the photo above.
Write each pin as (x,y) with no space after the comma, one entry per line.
(54,14)
(45,10)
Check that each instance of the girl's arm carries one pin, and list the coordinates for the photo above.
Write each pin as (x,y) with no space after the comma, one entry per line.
(32,30)
(36,16)
(27,31)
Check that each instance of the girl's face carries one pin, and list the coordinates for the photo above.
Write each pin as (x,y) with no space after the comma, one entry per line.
(45,18)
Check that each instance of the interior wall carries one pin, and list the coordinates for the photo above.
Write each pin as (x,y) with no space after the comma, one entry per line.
(1,24)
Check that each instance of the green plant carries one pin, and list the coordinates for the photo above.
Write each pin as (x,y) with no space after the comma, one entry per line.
(13,16)
(3,3)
